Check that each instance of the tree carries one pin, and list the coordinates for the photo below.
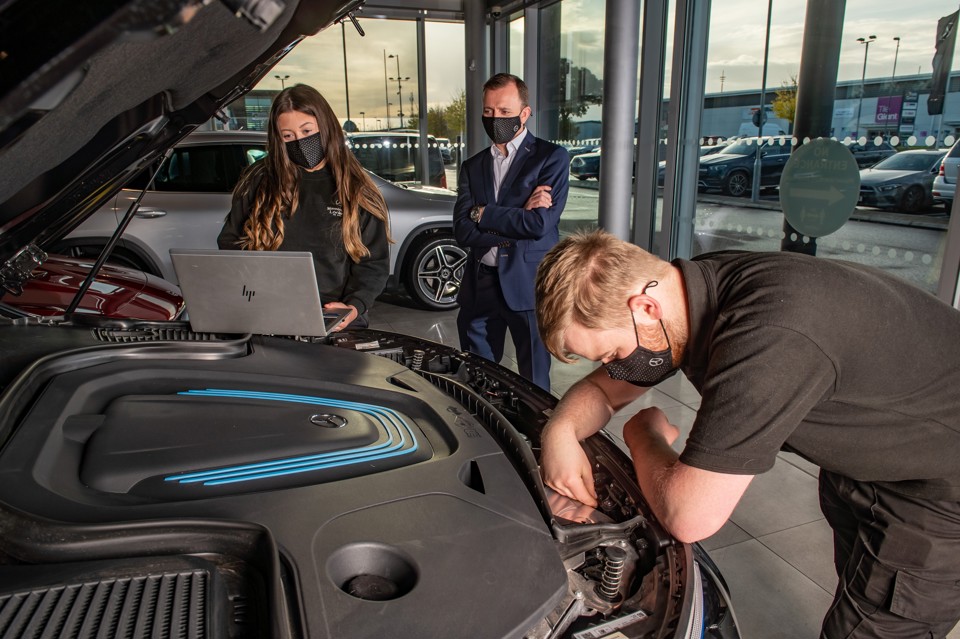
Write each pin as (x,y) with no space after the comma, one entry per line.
(579,89)
(437,122)
(785,104)
(455,115)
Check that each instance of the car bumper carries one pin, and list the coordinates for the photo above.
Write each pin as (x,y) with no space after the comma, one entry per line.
(943,191)
(879,199)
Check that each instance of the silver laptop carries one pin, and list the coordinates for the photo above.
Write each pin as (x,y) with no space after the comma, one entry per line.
(262,292)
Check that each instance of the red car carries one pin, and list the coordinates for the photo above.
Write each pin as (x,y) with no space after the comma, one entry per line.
(117,292)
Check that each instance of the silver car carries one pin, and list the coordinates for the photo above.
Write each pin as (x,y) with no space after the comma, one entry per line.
(190,198)
(945,184)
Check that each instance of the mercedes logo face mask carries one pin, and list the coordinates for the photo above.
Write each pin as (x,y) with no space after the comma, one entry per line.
(306,152)
(643,367)
(501,130)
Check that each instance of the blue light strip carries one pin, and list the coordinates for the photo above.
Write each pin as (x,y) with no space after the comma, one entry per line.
(394,426)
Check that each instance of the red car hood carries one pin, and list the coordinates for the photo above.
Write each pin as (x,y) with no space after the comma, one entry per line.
(117,292)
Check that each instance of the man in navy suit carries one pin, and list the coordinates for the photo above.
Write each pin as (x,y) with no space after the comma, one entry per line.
(507,213)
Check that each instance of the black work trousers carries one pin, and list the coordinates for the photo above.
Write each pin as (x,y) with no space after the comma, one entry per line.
(898,560)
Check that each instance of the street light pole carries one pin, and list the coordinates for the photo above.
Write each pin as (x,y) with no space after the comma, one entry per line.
(346,83)
(386,95)
(282,78)
(758,161)
(363,115)
(893,76)
(399,87)
(866,42)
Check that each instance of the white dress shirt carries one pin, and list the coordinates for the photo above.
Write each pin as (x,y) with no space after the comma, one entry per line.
(501,164)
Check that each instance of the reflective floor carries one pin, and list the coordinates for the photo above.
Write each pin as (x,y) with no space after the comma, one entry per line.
(775,551)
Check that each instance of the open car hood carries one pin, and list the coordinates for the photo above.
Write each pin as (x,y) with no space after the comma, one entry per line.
(87,104)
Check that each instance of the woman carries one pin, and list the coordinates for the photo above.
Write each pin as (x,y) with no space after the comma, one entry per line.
(310,194)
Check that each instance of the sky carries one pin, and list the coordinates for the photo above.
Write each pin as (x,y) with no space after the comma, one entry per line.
(734,62)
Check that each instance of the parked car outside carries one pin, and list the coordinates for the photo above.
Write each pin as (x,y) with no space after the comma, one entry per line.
(870,153)
(446,151)
(160,482)
(187,204)
(903,181)
(395,156)
(945,183)
(730,169)
(705,149)
(586,165)
(574,151)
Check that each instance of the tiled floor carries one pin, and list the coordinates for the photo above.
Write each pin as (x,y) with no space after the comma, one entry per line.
(775,552)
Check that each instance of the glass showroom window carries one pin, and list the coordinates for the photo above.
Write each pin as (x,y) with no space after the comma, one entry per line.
(879,110)
(570,95)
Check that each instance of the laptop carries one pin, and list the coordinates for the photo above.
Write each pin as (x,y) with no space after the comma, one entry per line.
(262,292)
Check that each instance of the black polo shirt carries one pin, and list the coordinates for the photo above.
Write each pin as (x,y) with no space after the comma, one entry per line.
(847,366)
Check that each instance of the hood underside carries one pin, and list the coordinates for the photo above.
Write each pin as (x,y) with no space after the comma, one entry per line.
(86,104)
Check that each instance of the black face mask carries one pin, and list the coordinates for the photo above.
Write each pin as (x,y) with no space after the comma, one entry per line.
(306,152)
(644,367)
(501,130)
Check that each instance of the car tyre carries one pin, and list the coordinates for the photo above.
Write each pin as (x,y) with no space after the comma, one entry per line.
(912,199)
(433,269)
(737,184)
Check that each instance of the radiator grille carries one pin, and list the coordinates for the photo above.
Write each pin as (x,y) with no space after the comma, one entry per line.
(126,336)
(169,605)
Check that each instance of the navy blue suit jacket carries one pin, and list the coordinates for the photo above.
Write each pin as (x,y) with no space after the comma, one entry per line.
(523,236)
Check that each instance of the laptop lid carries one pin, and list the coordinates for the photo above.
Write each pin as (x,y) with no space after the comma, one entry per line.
(262,292)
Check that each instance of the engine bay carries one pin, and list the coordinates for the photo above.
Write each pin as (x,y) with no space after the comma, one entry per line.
(274,487)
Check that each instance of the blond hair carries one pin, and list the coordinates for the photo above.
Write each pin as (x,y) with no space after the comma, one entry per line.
(587,278)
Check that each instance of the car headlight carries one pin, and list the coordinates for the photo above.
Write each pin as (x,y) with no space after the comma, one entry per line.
(886,188)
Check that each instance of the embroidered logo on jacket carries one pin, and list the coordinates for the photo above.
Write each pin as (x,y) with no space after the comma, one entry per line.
(336,209)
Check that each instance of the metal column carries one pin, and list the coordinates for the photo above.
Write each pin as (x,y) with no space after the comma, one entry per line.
(816,85)
(621,42)
(477,72)
(531,59)
(692,27)
(652,63)
(422,98)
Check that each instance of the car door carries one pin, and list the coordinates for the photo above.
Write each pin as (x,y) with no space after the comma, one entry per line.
(186,206)
(773,157)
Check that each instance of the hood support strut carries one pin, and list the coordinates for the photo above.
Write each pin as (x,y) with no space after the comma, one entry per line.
(112,242)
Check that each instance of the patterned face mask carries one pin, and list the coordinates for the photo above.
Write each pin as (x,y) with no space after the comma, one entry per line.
(501,130)
(644,367)
(306,152)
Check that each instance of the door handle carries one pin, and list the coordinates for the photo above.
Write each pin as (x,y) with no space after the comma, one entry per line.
(149,213)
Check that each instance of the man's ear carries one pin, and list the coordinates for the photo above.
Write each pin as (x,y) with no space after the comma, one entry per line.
(644,308)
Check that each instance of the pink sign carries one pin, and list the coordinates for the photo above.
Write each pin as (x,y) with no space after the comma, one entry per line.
(888,110)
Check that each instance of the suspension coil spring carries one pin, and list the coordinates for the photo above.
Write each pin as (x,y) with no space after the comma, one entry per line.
(613,563)
(418,356)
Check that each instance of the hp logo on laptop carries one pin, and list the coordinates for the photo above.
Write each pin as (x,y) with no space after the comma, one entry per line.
(248,294)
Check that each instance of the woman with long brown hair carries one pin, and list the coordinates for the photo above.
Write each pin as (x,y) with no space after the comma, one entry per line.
(311,194)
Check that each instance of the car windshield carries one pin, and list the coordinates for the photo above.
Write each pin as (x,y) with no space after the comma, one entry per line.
(908,162)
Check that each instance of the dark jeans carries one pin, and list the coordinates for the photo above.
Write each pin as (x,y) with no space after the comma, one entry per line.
(898,559)
(483,324)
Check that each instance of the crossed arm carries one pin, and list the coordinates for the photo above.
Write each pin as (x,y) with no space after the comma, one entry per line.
(538,216)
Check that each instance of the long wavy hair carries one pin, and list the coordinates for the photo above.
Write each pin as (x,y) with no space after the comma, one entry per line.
(276,179)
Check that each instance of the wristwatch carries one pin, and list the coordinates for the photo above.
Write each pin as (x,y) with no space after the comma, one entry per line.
(476,212)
